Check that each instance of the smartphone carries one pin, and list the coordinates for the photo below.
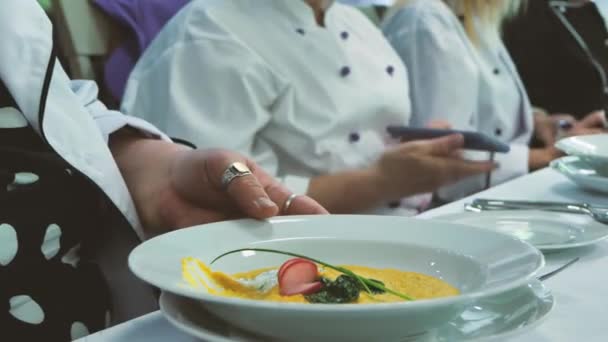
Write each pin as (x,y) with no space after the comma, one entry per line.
(472,140)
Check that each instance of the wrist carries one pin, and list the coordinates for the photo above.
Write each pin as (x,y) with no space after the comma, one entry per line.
(541,157)
(349,191)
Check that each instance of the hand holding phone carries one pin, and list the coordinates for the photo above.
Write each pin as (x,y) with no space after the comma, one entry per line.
(472,140)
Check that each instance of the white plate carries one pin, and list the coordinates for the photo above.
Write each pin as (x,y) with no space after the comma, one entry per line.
(479,262)
(589,174)
(497,317)
(595,146)
(543,229)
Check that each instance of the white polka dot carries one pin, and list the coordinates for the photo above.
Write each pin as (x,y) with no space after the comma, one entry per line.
(9,245)
(78,330)
(25,309)
(72,257)
(51,244)
(25,178)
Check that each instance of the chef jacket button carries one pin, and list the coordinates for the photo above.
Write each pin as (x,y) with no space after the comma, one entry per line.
(345,71)
(301,31)
(394,204)
(344,35)
(498,131)
(496,71)
(354,137)
(390,70)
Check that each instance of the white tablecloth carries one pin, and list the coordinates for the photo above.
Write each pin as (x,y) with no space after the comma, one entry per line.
(581,292)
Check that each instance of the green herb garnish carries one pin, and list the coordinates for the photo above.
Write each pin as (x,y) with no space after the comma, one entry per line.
(345,289)
(366,283)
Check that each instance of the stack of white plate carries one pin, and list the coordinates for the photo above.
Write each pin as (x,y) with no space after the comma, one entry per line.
(495,273)
(587,161)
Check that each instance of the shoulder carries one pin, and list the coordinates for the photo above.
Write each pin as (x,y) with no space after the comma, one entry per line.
(420,15)
(204,29)
(353,16)
(23,21)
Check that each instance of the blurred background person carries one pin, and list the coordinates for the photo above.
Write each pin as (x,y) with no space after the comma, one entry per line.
(306,88)
(460,70)
(561,51)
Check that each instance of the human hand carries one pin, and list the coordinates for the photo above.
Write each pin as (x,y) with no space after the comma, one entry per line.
(175,187)
(548,127)
(592,123)
(425,165)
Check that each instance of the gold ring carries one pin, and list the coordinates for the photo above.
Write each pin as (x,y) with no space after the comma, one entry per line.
(288,202)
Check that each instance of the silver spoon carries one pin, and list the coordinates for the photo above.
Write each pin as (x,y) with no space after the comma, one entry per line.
(557,270)
(598,213)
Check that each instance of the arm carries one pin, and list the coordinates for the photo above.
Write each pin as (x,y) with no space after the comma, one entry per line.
(173,186)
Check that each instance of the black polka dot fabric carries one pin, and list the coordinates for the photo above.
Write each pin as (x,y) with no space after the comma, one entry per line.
(50,216)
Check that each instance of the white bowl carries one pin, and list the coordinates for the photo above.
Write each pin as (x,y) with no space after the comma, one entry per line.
(588,173)
(479,262)
(593,146)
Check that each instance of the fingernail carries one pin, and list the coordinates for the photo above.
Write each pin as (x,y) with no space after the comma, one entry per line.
(264,202)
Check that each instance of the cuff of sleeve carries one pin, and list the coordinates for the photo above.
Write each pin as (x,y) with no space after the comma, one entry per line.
(111,123)
(298,185)
(511,165)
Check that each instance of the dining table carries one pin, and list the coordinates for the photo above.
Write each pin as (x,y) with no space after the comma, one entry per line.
(581,291)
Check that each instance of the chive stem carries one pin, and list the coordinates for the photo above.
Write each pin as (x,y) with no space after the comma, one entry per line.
(364,281)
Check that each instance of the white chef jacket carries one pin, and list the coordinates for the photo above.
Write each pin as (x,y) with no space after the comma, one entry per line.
(75,124)
(473,88)
(365,3)
(261,77)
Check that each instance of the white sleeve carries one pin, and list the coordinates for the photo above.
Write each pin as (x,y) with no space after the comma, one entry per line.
(444,85)
(109,121)
(214,93)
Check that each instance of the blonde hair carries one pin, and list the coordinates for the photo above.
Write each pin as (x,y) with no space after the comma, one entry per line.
(490,14)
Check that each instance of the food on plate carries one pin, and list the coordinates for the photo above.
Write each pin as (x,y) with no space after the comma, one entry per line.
(307,280)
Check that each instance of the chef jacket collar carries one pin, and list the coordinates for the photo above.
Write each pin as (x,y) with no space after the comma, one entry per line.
(301,12)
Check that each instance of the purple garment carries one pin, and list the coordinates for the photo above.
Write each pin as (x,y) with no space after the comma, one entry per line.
(143,20)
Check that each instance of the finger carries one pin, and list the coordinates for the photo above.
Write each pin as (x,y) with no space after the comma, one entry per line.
(301,205)
(595,119)
(566,117)
(246,192)
(586,131)
(249,195)
(444,146)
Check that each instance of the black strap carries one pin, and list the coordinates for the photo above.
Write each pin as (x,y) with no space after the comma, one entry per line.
(47,84)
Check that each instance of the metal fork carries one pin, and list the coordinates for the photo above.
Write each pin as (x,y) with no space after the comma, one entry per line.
(597,213)
(557,270)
